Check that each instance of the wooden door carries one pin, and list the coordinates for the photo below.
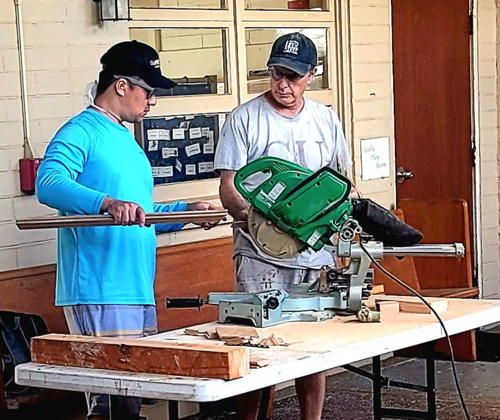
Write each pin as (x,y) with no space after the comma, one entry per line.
(432,84)
(433,131)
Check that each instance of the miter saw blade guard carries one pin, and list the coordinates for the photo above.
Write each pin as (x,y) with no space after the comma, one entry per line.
(305,205)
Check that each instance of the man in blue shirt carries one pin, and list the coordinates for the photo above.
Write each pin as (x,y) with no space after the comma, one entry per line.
(93,165)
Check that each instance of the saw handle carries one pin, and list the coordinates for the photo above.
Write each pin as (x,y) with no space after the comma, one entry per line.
(184,302)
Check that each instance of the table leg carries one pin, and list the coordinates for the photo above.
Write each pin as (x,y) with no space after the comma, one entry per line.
(379,382)
(173,410)
(377,388)
(431,382)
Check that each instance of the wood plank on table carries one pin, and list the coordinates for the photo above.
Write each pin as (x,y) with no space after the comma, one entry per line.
(185,359)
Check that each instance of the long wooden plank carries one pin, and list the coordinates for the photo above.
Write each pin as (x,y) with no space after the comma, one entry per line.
(196,360)
(107,220)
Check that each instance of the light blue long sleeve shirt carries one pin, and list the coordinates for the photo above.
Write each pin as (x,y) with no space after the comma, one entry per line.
(89,158)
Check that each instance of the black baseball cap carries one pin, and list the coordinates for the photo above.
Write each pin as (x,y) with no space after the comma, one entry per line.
(134,58)
(294,52)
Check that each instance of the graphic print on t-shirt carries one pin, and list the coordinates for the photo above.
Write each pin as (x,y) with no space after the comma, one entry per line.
(308,154)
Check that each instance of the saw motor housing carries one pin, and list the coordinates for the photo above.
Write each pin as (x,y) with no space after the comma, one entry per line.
(306,205)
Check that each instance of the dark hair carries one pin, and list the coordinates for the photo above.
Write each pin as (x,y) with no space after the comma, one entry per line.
(106,79)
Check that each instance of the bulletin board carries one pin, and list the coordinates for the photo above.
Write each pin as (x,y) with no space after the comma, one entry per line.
(181,148)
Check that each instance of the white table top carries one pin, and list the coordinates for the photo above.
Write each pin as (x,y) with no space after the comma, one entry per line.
(322,346)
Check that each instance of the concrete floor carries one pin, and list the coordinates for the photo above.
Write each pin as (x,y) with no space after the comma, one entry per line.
(349,396)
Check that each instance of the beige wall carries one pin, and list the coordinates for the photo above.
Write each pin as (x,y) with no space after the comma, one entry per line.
(498,130)
(63,44)
(371,87)
(487,120)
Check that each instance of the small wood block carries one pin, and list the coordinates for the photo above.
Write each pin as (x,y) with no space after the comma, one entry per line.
(257,362)
(388,310)
(419,307)
(185,359)
(414,305)
(378,289)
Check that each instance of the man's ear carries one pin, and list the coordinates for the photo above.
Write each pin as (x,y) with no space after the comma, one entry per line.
(121,87)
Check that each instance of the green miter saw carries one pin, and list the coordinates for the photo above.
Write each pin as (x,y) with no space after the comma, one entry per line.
(292,208)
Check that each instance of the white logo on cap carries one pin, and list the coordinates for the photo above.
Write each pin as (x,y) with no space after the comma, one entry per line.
(291,47)
(155,63)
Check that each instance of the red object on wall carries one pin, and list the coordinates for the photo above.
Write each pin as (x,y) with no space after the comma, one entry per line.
(298,4)
(27,173)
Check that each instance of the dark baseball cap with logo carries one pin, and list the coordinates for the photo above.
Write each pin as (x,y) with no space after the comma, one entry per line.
(294,52)
(134,58)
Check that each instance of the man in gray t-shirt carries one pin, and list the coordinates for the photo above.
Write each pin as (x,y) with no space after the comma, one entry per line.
(280,123)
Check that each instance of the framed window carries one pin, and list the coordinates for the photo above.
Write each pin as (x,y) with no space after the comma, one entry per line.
(308,5)
(179,4)
(192,57)
(217,50)
(258,42)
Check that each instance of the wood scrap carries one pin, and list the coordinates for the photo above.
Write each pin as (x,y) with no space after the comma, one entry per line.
(236,335)
(410,304)
(230,331)
(210,334)
(258,362)
(48,222)
(185,359)
(388,310)
(421,308)
(378,289)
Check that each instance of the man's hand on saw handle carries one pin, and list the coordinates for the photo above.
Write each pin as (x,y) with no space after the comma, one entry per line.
(128,213)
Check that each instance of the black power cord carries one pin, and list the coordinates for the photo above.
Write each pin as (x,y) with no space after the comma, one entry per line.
(414,292)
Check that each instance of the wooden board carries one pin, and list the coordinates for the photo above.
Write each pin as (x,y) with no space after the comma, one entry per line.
(197,360)
(108,220)
(414,305)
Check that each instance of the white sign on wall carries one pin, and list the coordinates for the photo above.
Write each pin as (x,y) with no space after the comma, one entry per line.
(375,158)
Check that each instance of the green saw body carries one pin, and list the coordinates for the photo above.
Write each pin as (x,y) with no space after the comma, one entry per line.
(307,205)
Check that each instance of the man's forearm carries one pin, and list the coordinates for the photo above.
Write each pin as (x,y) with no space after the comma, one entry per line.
(235,205)
(231,199)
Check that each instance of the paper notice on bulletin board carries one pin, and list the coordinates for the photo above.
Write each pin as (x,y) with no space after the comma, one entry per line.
(375,158)
(181,148)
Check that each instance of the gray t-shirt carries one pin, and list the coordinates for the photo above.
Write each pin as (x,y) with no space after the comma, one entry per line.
(313,139)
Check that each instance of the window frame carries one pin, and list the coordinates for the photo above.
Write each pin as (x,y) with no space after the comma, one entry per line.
(236,20)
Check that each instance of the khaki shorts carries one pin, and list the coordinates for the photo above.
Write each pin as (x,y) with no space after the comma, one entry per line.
(254,275)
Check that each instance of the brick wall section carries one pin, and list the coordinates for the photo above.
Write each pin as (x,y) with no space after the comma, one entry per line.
(488,153)
(63,43)
(498,137)
(371,84)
